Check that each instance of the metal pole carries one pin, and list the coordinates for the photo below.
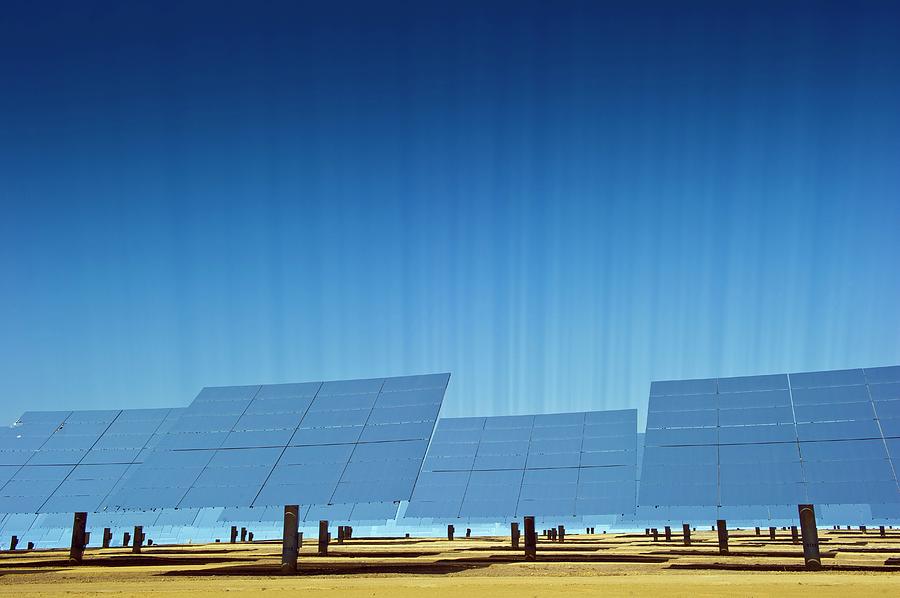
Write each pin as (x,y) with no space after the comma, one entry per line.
(530,539)
(138,538)
(722,527)
(76,550)
(290,539)
(323,537)
(810,537)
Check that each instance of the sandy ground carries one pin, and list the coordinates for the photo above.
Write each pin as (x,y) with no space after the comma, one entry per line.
(608,565)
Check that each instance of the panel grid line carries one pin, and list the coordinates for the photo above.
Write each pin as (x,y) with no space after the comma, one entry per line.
(469,478)
(353,451)
(880,429)
(286,445)
(96,440)
(34,452)
(216,449)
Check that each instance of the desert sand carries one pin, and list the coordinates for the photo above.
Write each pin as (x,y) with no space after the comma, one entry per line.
(855,564)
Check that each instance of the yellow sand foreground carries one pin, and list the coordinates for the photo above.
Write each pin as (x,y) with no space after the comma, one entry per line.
(607,565)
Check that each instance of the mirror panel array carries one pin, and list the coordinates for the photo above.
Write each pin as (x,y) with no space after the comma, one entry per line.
(751,447)
(71,461)
(351,447)
(566,465)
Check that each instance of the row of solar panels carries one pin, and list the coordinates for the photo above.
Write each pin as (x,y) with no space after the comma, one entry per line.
(570,464)
(358,446)
(338,444)
(822,437)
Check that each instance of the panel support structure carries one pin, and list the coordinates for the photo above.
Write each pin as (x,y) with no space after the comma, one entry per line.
(722,528)
(810,537)
(138,539)
(290,539)
(530,539)
(323,537)
(76,550)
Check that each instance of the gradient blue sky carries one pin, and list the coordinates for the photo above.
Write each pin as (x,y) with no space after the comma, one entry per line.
(557,202)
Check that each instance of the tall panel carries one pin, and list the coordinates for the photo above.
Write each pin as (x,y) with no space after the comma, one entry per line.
(82,457)
(332,445)
(768,441)
(498,468)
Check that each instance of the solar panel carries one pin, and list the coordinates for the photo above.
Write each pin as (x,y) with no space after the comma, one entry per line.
(74,459)
(334,443)
(768,441)
(566,464)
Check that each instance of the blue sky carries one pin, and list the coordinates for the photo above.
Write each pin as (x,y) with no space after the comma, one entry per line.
(557,202)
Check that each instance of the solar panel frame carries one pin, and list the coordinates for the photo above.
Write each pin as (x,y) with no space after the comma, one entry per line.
(279,434)
(798,434)
(506,466)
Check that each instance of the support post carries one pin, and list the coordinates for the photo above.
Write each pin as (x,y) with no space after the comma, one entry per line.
(771,533)
(138,539)
(881,531)
(655,533)
(323,537)
(810,537)
(290,539)
(646,531)
(795,538)
(13,542)
(250,536)
(757,531)
(862,528)
(76,550)
(468,532)
(107,537)
(243,534)
(722,527)
(450,530)
(530,539)
(126,539)
(340,534)
(514,534)
(668,531)
(30,546)
(686,533)
(233,534)
(561,532)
